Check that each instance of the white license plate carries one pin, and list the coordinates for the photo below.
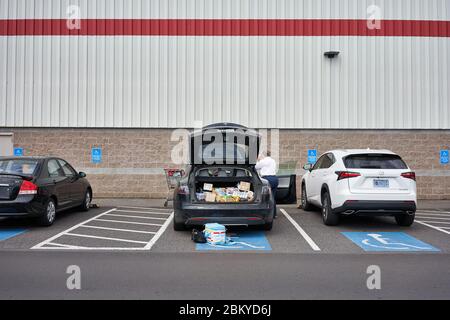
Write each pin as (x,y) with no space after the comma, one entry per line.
(381,183)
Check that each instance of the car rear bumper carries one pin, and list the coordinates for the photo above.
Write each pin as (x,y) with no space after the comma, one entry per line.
(376,208)
(23,206)
(226,214)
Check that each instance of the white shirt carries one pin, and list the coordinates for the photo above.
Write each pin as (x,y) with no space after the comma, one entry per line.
(267,167)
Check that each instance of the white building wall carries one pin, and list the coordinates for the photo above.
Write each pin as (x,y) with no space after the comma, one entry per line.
(259,81)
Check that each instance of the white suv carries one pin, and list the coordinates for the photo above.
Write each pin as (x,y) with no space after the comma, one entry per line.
(360,182)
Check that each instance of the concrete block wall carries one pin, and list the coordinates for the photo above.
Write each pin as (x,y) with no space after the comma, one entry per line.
(134,159)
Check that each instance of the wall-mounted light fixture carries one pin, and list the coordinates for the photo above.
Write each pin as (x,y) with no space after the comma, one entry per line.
(331,54)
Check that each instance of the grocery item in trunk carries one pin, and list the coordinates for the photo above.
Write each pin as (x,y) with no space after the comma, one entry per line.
(244,186)
(200,196)
(210,197)
(208,187)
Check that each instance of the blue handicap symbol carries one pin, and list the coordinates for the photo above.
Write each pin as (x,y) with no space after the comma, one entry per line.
(388,241)
(96,155)
(444,156)
(312,156)
(18,152)
(245,241)
(7,234)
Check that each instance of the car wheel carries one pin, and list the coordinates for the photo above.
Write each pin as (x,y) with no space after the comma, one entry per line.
(268,226)
(329,218)
(86,202)
(179,226)
(305,205)
(405,220)
(48,217)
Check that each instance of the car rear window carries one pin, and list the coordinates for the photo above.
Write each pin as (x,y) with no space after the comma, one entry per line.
(374,161)
(18,166)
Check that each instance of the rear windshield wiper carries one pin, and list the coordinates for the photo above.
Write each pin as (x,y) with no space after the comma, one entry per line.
(23,176)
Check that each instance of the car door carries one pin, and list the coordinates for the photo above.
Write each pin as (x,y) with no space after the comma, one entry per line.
(287,189)
(57,181)
(314,184)
(75,184)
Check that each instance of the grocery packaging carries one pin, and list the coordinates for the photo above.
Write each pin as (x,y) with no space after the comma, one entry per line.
(244,186)
(215,233)
(208,187)
(210,197)
(200,196)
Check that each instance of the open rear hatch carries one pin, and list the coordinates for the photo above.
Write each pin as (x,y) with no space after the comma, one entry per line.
(224,144)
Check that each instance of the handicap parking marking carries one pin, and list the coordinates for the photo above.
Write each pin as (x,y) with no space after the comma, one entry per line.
(113,226)
(10,233)
(242,241)
(388,241)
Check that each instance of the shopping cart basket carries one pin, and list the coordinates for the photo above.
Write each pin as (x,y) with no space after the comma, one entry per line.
(173,176)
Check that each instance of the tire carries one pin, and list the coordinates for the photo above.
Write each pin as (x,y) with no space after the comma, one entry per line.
(305,205)
(86,201)
(329,218)
(48,217)
(179,226)
(405,220)
(268,226)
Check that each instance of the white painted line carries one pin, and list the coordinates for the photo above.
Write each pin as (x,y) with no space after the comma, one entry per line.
(430,211)
(432,217)
(146,208)
(116,229)
(159,233)
(103,238)
(66,246)
(70,229)
(128,222)
(137,217)
(429,221)
(433,214)
(146,212)
(433,227)
(308,239)
(94,249)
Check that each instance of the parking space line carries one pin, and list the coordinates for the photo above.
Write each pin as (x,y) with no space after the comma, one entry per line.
(429,221)
(65,246)
(308,239)
(103,238)
(130,222)
(137,217)
(429,211)
(146,212)
(433,214)
(159,233)
(116,229)
(433,217)
(433,227)
(145,208)
(40,245)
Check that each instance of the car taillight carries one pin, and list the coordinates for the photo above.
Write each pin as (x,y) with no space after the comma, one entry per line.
(184,190)
(347,174)
(409,175)
(28,187)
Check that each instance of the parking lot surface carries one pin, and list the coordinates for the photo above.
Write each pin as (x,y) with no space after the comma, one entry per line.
(142,228)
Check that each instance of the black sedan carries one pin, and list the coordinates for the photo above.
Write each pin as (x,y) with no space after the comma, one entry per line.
(41,187)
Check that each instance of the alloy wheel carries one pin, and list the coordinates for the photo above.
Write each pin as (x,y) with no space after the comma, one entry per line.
(51,211)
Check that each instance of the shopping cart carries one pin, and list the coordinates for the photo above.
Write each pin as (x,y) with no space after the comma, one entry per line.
(173,176)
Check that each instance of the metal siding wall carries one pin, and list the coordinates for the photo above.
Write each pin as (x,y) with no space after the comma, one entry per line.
(284,82)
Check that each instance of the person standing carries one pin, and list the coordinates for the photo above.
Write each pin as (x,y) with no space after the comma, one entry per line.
(267,168)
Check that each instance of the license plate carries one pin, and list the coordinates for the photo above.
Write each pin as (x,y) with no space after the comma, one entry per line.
(381,183)
(4,193)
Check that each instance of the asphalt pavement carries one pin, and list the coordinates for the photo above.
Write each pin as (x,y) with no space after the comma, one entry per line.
(127,249)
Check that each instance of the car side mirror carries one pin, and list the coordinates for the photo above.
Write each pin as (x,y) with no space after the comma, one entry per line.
(82,175)
(308,167)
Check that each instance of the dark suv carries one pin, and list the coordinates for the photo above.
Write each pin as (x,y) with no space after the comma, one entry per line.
(223,158)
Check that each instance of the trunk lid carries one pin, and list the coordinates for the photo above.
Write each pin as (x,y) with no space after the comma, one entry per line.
(9,187)
(224,143)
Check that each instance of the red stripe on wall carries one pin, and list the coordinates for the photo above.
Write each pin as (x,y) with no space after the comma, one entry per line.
(224,27)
